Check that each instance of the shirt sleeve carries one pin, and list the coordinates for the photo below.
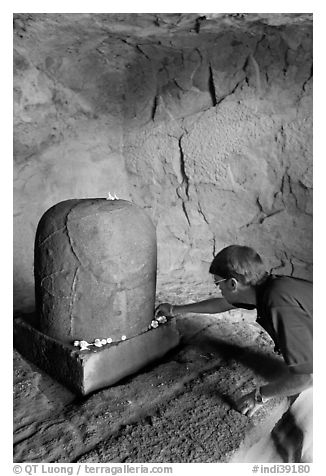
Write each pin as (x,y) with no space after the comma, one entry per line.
(294,334)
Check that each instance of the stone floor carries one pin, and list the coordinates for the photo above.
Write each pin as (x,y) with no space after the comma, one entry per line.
(179,409)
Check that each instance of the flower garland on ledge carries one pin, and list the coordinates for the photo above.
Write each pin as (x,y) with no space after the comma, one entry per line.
(84,345)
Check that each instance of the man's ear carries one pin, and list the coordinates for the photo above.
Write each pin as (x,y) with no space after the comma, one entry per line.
(233,284)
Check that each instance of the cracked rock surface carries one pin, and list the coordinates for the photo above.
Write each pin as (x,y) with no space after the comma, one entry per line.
(203,120)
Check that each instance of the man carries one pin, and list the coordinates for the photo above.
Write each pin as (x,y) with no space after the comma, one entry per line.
(284,310)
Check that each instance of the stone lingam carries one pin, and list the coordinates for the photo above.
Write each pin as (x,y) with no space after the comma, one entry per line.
(95,281)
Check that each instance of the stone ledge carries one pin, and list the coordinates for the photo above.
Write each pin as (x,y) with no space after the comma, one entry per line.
(86,371)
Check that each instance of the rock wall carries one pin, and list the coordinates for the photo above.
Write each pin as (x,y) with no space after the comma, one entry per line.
(68,134)
(208,129)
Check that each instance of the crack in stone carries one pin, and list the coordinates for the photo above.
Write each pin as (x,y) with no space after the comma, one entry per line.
(257,74)
(186,213)
(154,107)
(83,266)
(49,292)
(202,213)
(197,50)
(60,229)
(211,86)
(263,36)
(282,139)
(231,92)
(198,23)
(65,226)
(286,61)
(183,168)
(183,188)
(308,79)
(215,100)
(52,234)
(200,210)
(178,86)
(261,216)
(291,192)
(126,42)
(250,58)
(214,246)
(25,438)
(49,276)
(138,47)
(289,260)
(72,246)
(72,299)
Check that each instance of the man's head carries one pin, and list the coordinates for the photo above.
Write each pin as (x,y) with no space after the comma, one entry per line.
(239,269)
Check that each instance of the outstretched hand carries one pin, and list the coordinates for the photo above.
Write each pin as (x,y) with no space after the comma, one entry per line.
(247,404)
(164,309)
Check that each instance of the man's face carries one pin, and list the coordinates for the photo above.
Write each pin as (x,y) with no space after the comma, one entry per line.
(234,292)
(230,288)
(222,285)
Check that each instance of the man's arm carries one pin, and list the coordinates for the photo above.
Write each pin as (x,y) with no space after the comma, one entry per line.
(285,386)
(208,306)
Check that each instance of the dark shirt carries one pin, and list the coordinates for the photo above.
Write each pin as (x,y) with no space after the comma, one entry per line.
(284,310)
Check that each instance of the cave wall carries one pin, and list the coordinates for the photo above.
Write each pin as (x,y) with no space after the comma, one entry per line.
(210,132)
(226,145)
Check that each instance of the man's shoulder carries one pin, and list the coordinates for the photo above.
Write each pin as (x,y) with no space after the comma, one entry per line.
(287,290)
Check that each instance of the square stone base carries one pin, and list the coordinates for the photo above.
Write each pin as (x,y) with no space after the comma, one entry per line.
(86,371)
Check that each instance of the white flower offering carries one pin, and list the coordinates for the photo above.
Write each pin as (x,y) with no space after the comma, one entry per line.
(84,345)
(161,319)
(112,197)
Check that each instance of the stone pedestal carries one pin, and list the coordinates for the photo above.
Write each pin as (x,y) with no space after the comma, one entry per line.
(84,371)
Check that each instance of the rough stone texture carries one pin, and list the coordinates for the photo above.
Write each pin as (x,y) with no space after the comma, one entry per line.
(180,410)
(86,371)
(205,120)
(239,168)
(95,270)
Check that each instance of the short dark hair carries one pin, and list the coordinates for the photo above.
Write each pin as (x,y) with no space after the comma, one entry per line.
(240,262)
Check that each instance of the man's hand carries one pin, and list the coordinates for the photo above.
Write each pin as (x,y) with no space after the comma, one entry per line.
(247,404)
(164,309)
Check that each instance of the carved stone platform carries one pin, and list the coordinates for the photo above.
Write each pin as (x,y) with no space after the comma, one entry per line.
(86,371)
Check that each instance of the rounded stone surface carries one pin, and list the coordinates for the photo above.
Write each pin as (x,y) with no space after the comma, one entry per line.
(95,270)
